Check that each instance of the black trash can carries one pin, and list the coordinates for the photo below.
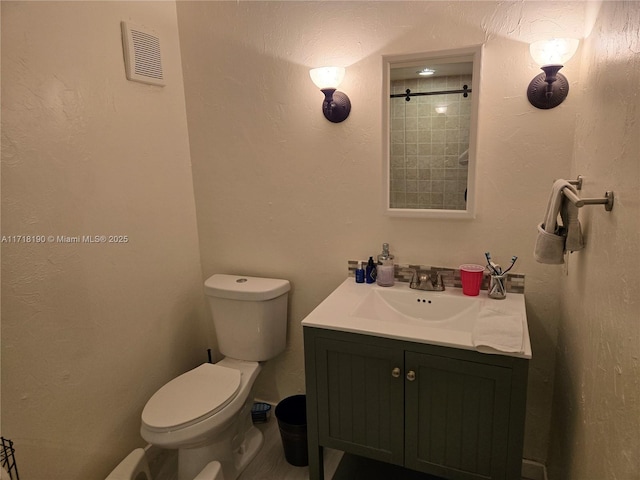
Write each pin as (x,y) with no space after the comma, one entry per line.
(292,421)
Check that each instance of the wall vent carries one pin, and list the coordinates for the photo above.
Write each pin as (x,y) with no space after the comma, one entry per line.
(142,58)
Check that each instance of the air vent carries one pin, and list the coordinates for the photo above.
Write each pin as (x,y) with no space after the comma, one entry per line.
(142,57)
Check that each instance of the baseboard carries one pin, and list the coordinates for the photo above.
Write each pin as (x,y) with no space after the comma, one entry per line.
(533,470)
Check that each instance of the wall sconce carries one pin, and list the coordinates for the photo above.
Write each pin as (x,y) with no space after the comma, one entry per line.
(336,105)
(549,89)
(441,109)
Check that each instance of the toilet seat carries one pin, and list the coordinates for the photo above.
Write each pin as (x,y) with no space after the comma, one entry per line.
(191,397)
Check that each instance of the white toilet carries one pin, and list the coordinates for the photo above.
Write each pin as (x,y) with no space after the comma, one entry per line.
(206,412)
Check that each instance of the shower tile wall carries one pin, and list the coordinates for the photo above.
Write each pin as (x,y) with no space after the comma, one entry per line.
(426,145)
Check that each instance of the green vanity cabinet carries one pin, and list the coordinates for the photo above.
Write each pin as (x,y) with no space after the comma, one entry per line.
(359,398)
(457,414)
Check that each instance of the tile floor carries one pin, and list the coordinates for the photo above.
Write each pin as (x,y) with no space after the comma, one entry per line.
(270,464)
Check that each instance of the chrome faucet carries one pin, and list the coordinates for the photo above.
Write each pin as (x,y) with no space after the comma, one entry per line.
(424,281)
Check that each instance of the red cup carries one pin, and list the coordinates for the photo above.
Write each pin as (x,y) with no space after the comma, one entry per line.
(471,277)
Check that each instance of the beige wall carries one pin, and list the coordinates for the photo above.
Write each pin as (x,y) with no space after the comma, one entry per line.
(596,412)
(90,331)
(280,191)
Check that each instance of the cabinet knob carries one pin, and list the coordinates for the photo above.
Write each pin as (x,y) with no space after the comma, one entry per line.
(411,375)
(395,373)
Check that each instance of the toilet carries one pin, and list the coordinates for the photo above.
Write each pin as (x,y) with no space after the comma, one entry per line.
(205,413)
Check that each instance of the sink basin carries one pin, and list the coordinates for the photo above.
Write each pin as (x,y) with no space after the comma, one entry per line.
(446,318)
(433,309)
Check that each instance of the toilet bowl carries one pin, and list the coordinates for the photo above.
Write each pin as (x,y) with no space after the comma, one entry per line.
(190,408)
(205,413)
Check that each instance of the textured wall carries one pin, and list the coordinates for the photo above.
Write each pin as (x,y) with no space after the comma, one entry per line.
(596,419)
(90,331)
(282,192)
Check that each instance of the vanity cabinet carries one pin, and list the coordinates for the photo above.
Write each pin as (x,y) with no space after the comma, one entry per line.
(454,413)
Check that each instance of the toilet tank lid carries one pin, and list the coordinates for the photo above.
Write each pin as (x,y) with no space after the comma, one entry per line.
(239,287)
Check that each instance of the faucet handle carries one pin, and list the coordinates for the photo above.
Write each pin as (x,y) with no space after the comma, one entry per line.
(415,282)
(427,281)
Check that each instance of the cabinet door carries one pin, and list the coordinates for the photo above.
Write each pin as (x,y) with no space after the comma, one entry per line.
(457,417)
(360,398)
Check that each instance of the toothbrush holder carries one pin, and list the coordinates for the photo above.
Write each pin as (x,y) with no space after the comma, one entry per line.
(498,287)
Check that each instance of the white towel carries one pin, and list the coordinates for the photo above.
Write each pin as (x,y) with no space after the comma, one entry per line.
(551,242)
(553,206)
(571,223)
(498,330)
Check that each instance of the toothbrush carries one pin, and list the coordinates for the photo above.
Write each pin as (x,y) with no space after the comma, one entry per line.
(513,261)
(492,266)
(487,255)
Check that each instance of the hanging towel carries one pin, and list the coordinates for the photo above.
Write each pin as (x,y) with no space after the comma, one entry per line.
(550,244)
(571,223)
(498,330)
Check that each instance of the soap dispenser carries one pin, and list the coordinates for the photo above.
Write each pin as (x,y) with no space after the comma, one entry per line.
(386,273)
(386,270)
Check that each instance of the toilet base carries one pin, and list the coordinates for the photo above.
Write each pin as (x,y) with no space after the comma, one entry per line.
(190,460)
(234,455)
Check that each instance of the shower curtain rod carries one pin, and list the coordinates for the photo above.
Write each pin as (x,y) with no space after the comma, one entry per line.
(407,95)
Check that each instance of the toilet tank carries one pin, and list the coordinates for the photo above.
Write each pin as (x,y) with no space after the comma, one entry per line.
(249,315)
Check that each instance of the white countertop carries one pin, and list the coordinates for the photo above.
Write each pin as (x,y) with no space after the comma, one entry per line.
(335,313)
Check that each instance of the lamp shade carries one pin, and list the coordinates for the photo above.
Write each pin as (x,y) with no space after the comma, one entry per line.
(327,77)
(556,51)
